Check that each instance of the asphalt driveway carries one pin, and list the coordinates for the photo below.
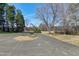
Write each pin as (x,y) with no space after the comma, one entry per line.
(42,46)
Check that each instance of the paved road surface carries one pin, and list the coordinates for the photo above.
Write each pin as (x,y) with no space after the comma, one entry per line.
(43,46)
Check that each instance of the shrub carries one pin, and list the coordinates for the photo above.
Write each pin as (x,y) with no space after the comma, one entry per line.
(37,30)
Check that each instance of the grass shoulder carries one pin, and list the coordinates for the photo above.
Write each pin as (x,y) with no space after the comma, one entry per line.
(72,39)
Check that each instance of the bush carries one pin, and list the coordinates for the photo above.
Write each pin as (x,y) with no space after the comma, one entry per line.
(37,30)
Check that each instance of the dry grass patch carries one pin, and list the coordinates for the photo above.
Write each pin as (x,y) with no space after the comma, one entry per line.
(72,39)
(45,32)
(25,38)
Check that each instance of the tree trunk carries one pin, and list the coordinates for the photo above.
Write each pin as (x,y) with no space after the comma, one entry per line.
(12,25)
(48,29)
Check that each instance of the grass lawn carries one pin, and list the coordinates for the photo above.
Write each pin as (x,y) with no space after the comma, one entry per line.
(73,39)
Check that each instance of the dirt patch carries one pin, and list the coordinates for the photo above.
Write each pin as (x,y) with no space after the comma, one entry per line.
(24,38)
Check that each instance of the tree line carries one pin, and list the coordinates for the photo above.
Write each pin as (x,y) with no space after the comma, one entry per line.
(11,19)
(59,17)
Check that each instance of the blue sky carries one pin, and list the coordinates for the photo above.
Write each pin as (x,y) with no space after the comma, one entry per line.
(28,10)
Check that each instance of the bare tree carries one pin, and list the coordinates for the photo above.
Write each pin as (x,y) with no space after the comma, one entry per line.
(54,14)
(43,14)
(48,14)
(64,17)
(69,14)
(74,11)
